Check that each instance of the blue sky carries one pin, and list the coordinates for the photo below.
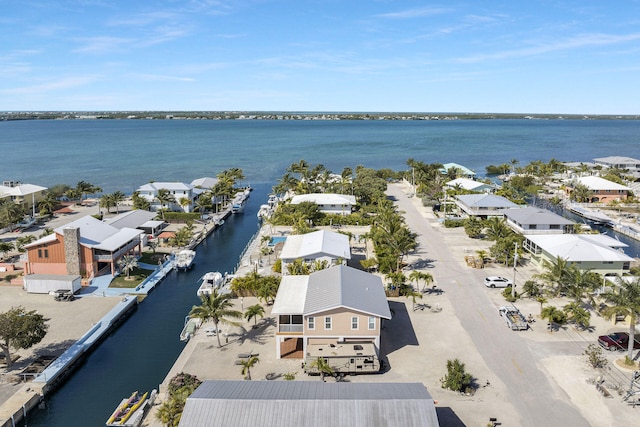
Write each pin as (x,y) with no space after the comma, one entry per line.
(506,56)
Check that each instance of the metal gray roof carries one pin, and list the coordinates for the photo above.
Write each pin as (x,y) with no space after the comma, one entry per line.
(131,219)
(485,200)
(533,215)
(342,286)
(316,244)
(296,403)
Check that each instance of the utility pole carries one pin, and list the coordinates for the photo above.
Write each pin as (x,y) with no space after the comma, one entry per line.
(515,262)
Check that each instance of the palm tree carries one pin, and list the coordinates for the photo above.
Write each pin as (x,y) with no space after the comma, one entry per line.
(416,276)
(625,301)
(165,197)
(577,314)
(217,308)
(554,314)
(252,312)
(22,241)
(106,201)
(556,274)
(413,295)
(5,247)
(48,204)
(184,203)
(247,364)
(127,263)
(117,197)
(322,365)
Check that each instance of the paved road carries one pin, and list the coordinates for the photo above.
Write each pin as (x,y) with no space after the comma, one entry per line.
(505,352)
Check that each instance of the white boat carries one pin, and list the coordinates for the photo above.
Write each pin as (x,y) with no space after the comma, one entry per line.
(264,211)
(184,259)
(240,199)
(210,281)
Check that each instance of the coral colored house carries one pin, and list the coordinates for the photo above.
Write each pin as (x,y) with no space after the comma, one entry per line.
(86,247)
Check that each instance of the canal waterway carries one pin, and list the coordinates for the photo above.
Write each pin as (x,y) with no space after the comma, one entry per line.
(633,248)
(139,354)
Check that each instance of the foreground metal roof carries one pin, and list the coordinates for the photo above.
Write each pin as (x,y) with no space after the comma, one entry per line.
(296,403)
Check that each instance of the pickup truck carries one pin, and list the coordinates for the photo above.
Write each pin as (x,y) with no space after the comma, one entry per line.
(515,320)
(617,341)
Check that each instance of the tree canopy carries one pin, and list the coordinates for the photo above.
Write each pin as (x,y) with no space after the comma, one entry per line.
(20,329)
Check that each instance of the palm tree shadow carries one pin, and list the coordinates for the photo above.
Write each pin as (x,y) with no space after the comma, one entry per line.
(258,334)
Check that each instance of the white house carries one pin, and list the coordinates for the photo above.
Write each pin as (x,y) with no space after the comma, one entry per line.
(533,220)
(329,203)
(483,205)
(471,185)
(595,252)
(322,245)
(179,190)
(620,162)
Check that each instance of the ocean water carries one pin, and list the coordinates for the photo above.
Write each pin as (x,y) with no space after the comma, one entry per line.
(124,154)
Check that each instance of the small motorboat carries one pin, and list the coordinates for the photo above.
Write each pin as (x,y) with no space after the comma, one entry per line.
(210,281)
(184,259)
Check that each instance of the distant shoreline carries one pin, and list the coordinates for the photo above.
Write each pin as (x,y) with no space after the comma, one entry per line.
(250,115)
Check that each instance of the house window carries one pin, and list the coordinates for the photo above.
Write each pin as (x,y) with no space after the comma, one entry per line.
(533,226)
(554,227)
(43,253)
(39,253)
(311,322)
(354,322)
(46,253)
(327,323)
(372,322)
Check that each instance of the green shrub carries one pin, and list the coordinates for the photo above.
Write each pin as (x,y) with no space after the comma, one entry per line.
(594,356)
(453,223)
(508,295)
(456,378)
(181,216)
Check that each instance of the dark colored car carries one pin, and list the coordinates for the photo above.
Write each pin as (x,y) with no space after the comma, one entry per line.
(617,341)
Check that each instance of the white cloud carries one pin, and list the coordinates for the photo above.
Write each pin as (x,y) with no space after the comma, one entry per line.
(53,85)
(414,13)
(577,42)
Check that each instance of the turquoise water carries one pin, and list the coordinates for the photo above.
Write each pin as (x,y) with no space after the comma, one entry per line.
(124,154)
(276,239)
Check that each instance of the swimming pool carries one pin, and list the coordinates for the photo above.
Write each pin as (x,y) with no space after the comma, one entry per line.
(276,239)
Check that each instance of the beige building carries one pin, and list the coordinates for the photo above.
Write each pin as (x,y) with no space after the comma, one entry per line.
(26,195)
(333,306)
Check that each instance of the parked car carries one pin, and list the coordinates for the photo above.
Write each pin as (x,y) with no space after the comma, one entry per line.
(617,341)
(497,282)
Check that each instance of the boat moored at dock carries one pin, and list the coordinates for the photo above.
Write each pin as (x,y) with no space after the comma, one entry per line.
(210,281)
(184,259)
(129,412)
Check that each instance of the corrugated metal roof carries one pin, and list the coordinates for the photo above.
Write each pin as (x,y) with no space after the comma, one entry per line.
(296,403)
(596,183)
(485,200)
(577,247)
(342,286)
(532,215)
(316,244)
(131,219)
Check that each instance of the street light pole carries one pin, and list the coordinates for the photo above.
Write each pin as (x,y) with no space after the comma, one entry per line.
(515,261)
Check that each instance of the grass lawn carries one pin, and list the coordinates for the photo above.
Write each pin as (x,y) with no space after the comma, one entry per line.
(137,275)
(151,258)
